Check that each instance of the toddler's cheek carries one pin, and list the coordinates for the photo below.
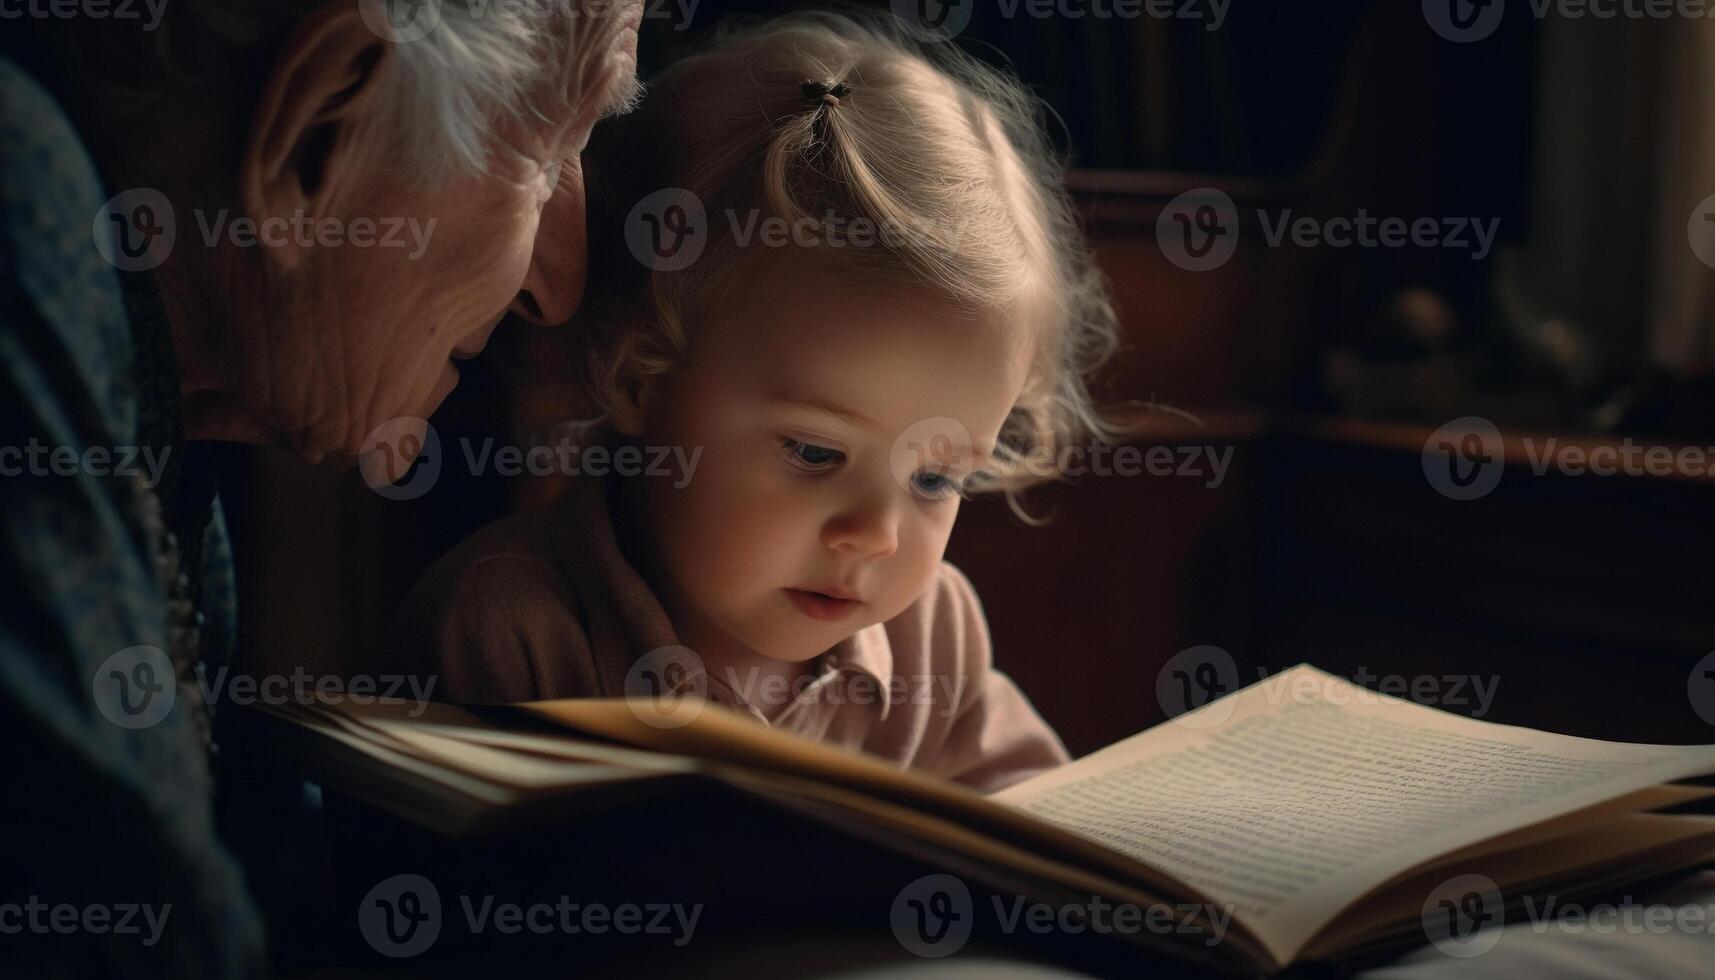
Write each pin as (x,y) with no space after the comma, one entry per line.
(743,535)
(905,584)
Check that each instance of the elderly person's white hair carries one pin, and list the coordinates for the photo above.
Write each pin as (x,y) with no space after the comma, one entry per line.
(483,62)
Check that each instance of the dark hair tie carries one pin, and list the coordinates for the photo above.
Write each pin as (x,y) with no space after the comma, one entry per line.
(825,94)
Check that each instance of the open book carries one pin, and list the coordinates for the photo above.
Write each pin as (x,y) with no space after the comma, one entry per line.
(1306,817)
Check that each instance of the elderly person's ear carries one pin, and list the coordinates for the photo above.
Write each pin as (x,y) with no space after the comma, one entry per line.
(309,119)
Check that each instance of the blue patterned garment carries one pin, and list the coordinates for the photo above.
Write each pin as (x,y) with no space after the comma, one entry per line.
(105,803)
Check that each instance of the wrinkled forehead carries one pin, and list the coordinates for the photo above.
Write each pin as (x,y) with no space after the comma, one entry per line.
(609,70)
(594,47)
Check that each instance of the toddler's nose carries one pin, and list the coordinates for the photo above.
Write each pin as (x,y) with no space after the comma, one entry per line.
(870,530)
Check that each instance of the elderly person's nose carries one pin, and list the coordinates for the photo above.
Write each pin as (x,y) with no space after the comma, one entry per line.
(554,285)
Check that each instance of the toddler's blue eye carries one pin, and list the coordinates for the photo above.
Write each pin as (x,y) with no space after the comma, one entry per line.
(933,486)
(806,456)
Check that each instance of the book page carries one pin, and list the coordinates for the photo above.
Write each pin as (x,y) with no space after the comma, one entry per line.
(1294,796)
(717,734)
(1631,844)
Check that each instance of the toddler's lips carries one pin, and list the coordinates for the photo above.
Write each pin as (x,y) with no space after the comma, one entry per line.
(820,605)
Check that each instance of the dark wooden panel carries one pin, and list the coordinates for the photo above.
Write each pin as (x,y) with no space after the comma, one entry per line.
(1588,598)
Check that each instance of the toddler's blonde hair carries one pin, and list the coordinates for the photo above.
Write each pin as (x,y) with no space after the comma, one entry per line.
(941,154)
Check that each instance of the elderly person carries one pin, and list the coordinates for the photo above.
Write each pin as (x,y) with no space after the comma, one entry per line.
(246,152)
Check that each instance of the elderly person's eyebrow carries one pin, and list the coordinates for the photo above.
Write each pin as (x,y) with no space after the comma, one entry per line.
(627,95)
